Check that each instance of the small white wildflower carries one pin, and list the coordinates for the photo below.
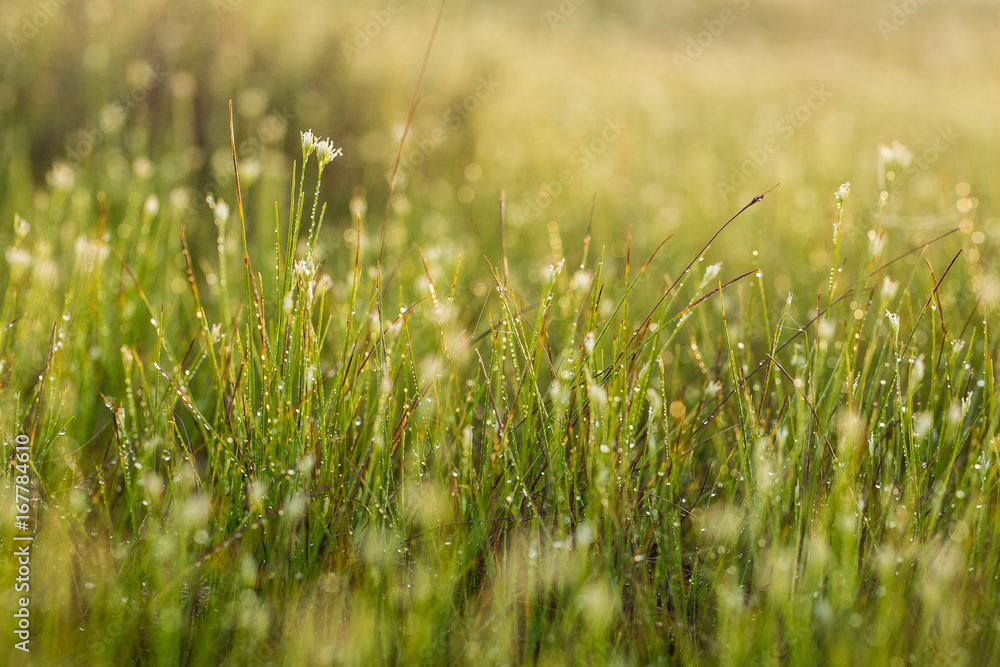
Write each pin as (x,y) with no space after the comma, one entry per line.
(889,288)
(711,271)
(180,198)
(842,193)
(127,358)
(20,262)
(895,157)
(358,206)
(308,144)
(89,253)
(712,388)
(922,424)
(250,171)
(325,153)
(559,394)
(310,287)
(304,269)
(143,168)
(151,206)
(893,323)
(46,272)
(955,413)
(877,243)
(654,400)
(589,342)
(957,345)
(221,210)
(581,279)
(61,177)
(324,284)
(598,395)
(827,328)
(308,462)
(917,374)
(21,228)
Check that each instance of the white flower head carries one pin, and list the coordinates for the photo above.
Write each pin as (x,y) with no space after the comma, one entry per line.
(19,260)
(889,288)
(917,373)
(842,193)
(61,177)
(325,153)
(581,279)
(221,210)
(711,271)
(598,394)
(895,157)
(827,329)
(893,323)
(21,228)
(308,144)
(305,269)
(151,206)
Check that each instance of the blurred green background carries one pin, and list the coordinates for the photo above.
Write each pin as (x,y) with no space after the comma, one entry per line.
(672,114)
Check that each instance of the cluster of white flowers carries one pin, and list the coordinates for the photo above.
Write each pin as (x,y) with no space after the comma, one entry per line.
(90,254)
(893,323)
(61,178)
(895,157)
(325,151)
(304,269)
(842,193)
(889,288)
(20,262)
(305,274)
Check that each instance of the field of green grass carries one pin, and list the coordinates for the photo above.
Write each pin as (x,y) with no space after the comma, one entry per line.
(548,333)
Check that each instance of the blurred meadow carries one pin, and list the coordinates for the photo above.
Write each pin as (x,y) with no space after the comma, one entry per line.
(468,444)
